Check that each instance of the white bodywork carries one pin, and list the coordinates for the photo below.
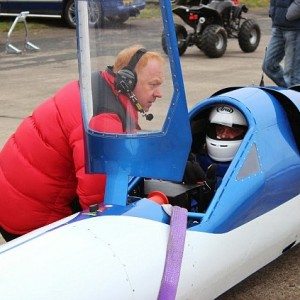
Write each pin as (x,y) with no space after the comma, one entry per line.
(121,257)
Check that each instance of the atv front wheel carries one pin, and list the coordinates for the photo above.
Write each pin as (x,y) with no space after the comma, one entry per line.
(214,41)
(181,35)
(249,36)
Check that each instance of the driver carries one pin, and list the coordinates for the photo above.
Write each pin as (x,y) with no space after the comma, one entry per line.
(227,128)
(225,131)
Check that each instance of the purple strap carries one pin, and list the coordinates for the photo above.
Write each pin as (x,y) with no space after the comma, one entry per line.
(174,254)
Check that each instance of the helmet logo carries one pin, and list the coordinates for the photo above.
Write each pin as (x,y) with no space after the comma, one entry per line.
(224,109)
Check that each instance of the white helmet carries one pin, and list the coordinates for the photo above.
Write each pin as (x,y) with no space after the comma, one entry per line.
(225,118)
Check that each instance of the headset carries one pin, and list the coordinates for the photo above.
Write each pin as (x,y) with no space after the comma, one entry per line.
(126,80)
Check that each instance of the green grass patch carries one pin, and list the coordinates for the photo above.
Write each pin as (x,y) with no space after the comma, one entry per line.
(150,11)
(5,25)
(256,3)
(32,24)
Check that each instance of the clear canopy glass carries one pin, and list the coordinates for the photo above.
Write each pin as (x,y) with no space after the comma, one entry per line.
(99,46)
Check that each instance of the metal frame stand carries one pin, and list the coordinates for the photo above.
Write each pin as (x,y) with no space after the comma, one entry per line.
(9,47)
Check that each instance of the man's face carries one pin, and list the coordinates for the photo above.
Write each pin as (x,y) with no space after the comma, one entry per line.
(148,87)
(228,133)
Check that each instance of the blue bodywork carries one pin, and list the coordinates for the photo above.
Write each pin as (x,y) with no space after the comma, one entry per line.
(56,7)
(111,8)
(266,169)
(264,173)
(50,7)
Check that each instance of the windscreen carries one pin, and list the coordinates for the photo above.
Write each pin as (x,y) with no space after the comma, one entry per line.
(134,108)
(125,76)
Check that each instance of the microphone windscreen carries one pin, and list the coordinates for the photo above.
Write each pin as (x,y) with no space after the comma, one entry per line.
(149,117)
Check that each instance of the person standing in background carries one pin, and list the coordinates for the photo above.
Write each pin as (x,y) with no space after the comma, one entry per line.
(293,14)
(282,45)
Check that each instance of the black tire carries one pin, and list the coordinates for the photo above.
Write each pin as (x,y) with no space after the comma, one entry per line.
(95,14)
(249,36)
(214,41)
(119,19)
(181,35)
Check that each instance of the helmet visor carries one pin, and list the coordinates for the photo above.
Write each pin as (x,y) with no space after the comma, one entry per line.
(226,133)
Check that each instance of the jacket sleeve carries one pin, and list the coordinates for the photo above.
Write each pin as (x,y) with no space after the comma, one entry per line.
(107,122)
(91,187)
(293,12)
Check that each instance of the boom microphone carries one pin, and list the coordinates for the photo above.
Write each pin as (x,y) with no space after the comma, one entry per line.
(138,106)
(126,90)
(148,117)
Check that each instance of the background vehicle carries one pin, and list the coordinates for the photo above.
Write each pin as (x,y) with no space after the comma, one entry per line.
(112,10)
(212,25)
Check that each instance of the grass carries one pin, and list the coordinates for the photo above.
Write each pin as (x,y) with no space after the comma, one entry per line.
(256,3)
(6,23)
(152,10)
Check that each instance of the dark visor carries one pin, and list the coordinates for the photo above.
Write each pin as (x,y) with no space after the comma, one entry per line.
(237,131)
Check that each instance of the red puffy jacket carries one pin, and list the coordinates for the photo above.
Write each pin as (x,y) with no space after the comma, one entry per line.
(42,165)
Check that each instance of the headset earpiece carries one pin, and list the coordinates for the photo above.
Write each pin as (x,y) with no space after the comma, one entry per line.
(126,78)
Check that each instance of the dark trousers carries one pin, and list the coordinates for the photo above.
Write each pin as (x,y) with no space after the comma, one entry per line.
(8,236)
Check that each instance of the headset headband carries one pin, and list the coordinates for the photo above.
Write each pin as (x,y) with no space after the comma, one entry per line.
(135,58)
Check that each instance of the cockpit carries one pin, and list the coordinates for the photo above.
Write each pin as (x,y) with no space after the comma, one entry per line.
(217,133)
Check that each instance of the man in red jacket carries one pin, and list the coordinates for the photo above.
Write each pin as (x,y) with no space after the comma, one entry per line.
(42,163)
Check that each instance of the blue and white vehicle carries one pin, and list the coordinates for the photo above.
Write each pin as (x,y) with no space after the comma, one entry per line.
(131,247)
(99,10)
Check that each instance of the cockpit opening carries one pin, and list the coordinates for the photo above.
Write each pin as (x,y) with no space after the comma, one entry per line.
(217,132)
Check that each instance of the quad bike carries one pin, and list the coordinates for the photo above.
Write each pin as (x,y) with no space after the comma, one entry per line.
(212,25)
